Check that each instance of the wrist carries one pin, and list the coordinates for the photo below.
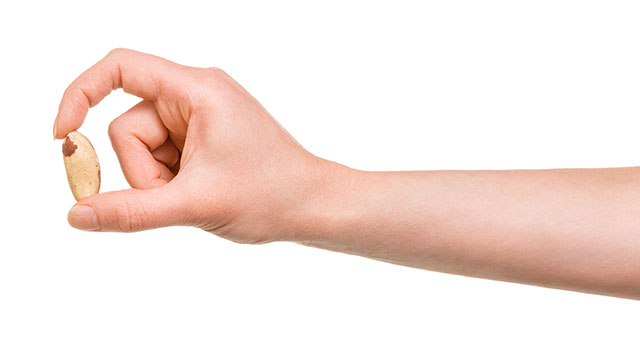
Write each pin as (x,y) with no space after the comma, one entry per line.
(325,203)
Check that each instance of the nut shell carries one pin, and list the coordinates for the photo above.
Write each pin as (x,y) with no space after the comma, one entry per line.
(81,163)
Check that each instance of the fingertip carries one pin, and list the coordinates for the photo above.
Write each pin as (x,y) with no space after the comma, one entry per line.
(61,128)
(83,217)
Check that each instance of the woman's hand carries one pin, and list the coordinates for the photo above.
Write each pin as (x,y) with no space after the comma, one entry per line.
(198,151)
(201,151)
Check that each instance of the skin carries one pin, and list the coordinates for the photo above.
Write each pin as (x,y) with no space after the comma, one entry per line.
(200,151)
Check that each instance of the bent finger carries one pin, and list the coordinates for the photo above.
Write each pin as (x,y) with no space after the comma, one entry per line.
(140,74)
(134,136)
(167,153)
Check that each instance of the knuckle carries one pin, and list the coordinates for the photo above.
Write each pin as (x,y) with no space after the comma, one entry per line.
(117,51)
(72,93)
(68,91)
(215,73)
(214,70)
(115,129)
(130,216)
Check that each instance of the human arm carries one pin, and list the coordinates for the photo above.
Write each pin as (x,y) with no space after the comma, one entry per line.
(200,151)
(574,229)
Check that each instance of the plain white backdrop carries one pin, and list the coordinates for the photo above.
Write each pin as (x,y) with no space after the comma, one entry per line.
(373,85)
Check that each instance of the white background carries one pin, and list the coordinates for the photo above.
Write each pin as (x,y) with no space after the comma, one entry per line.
(395,86)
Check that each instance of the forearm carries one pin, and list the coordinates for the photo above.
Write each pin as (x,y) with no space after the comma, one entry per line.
(201,151)
(576,229)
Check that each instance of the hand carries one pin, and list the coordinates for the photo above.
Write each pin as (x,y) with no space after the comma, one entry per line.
(198,151)
(201,151)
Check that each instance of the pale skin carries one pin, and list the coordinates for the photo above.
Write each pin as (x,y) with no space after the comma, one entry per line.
(200,151)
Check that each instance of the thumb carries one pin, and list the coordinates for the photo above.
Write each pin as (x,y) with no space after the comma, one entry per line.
(130,210)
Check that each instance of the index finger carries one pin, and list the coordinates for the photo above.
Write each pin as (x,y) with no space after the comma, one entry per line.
(140,74)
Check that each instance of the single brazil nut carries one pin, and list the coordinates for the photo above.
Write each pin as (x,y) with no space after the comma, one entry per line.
(81,162)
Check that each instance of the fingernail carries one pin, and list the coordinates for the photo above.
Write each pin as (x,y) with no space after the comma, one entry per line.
(84,218)
(55,129)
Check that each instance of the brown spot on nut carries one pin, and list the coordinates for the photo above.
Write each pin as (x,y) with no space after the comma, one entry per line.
(68,147)
(81,164)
